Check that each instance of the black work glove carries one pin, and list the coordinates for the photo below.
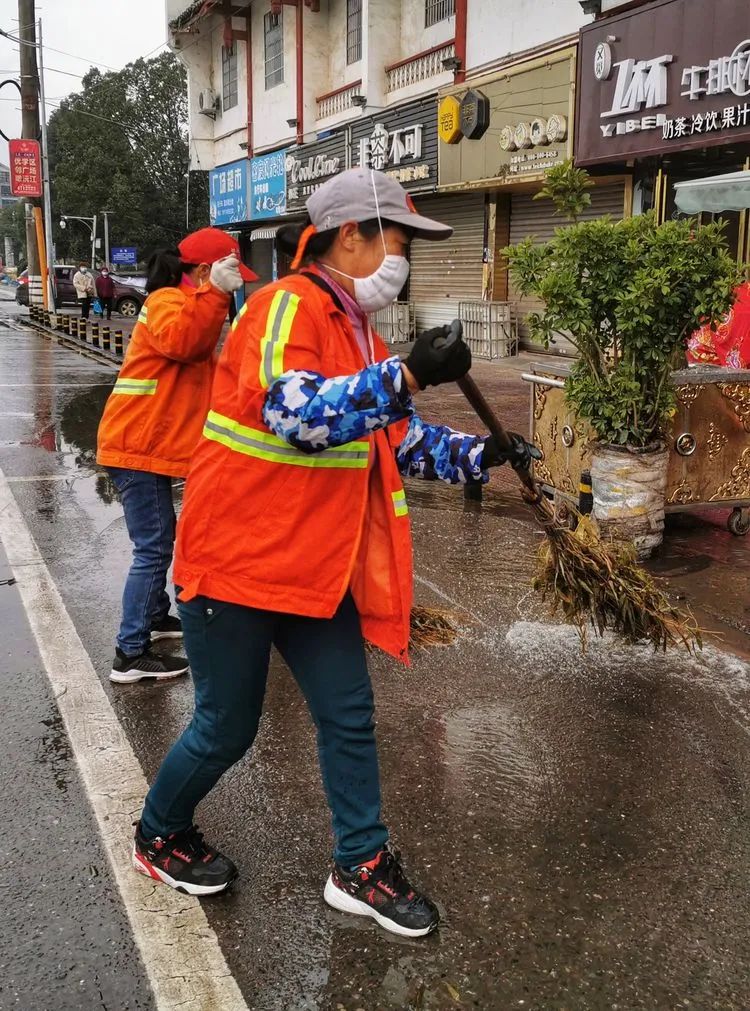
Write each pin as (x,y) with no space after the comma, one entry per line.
(519,455)
(439,356)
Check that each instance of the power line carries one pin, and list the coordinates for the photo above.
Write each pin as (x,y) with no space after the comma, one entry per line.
(62,52)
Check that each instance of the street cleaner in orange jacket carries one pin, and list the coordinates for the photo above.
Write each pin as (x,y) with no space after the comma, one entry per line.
(151,424)
(295,534)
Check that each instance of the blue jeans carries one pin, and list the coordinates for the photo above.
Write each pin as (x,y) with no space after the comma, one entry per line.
(150,518)
(229,647)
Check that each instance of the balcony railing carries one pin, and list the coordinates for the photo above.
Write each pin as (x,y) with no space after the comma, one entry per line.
(418,68)
(335,102)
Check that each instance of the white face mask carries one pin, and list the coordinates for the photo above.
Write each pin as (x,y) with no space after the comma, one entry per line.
(380,289)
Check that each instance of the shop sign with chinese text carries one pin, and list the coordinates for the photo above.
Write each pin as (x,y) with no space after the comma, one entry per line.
(228,190)
(529,110)
(309,166)
(268,186)
(25,168)
(402,143)
(648,86)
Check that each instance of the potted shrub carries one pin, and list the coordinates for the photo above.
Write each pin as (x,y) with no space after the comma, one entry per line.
(627,294)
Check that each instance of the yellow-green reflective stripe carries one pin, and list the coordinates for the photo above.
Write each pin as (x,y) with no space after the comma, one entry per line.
(136,387)
(278,328)
(143,316)
(266,446)
(399,503)
(239,316)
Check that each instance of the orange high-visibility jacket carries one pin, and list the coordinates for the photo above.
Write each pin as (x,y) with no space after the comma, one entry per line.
(266,525)
(155,413)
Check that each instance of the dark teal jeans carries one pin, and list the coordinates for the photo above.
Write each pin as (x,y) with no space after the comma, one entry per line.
(229,648)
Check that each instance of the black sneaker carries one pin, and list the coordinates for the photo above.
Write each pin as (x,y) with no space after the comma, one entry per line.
(379,889)
(168,628)
(128,669)
(183,861)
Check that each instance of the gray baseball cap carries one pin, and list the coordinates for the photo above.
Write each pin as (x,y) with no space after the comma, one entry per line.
(358,194)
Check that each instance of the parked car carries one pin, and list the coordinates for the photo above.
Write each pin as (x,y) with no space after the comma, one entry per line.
(129,295)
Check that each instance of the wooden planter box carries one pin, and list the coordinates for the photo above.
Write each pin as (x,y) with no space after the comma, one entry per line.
(709,441)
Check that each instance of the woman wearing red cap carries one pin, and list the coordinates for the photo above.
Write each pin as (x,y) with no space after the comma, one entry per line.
(152,422)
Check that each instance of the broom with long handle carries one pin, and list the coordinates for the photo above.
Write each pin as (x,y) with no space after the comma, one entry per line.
(593,584)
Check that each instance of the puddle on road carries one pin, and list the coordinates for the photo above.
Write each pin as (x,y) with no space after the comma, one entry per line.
(54,750)
(492,745)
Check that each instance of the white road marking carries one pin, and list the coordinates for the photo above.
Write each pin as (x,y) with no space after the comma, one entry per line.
(180,951)
(72,478)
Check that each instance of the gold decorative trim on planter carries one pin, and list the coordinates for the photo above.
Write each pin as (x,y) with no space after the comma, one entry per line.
(716,441)
(738,486)
(682,494)
(540,399)
(687,395)
(738,394)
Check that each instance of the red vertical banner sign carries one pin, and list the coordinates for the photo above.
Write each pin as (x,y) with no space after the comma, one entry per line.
(25,168)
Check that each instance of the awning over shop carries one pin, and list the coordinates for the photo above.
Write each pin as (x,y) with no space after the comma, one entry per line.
(264,233)
(729,192)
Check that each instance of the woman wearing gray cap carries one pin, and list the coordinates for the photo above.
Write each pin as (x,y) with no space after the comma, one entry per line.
(295,534)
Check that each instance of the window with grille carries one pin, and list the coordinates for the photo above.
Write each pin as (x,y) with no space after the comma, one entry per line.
(353,31)
(438,10)
(228,78)
(273,35)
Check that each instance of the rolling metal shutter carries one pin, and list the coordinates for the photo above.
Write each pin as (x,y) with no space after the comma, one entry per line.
(446,273)
(529,217)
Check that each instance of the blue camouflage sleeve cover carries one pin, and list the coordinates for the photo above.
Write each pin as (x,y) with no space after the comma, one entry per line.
(313,413)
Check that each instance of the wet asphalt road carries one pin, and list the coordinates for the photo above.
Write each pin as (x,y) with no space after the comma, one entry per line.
(582,821)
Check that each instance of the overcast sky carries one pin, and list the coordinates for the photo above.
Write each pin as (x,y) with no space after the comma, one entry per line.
(92,31)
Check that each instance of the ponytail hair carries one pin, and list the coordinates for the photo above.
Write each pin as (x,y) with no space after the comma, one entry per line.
(165,269)
(319,243)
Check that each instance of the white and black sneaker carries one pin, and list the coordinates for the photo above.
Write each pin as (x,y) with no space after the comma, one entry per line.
(379,889)
(168,628)
(129,669)
(184,862)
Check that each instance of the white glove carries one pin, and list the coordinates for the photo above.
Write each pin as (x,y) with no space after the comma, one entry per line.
(225,274)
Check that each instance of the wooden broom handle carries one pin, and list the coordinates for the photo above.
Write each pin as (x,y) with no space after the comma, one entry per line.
(488,417)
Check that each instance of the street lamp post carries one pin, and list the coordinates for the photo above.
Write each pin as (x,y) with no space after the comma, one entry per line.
(90,223)
(106,215)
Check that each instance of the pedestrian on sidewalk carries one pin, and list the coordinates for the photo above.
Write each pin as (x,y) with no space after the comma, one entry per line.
(295,534)
(105,289)
(151,424)
(83,282)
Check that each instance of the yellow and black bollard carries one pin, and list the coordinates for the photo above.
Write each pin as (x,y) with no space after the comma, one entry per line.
(106,339)
(585,494)
(82,329)
(95,334)
(118,342)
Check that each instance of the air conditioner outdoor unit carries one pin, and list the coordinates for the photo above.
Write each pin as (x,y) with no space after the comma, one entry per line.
(208,103)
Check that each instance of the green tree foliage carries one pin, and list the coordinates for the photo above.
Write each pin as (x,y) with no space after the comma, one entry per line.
(627,294)
(13,226)
(121,145)
(568,189)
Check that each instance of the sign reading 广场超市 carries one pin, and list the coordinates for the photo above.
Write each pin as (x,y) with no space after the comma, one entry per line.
(648,86)
(520,119)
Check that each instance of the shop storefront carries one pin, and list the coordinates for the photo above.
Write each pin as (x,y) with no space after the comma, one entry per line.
(402,142)
(670,104)
(497,140)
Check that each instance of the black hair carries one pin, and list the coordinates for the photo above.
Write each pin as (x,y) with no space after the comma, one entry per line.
(165,269)
(288,236)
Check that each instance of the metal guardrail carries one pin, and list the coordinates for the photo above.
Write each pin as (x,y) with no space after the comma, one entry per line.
(397,323)
(490,328)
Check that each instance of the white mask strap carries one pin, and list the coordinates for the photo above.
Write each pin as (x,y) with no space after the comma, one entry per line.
(377,209)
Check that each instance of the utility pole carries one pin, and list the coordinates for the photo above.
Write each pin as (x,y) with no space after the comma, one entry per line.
(46,180)
(29,127)
(106,238)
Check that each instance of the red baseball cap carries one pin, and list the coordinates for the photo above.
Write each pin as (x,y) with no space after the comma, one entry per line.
(208,245)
